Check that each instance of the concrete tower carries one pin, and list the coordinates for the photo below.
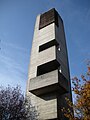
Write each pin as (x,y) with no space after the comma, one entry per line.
(48,77)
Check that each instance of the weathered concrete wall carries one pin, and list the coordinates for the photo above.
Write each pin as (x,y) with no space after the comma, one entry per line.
(44,80)
(47,109)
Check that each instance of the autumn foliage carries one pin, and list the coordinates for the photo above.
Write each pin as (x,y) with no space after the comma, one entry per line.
(81,106)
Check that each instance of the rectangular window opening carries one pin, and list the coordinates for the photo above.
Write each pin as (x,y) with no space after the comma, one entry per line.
(48,45)
(47,67)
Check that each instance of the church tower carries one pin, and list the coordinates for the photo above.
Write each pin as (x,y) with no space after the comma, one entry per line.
(48,76)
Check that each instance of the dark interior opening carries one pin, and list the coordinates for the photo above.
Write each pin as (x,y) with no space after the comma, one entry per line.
(47,45)
(47,67)
(48,17)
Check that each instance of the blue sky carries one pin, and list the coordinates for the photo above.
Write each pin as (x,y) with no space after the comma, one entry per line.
(17,19)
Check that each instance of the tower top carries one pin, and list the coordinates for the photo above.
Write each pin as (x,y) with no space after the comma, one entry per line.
(49,17)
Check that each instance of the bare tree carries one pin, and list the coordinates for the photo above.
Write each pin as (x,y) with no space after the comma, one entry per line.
(14,106)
